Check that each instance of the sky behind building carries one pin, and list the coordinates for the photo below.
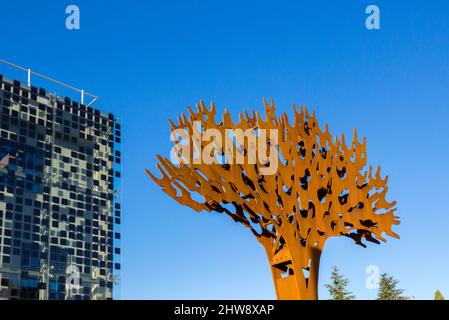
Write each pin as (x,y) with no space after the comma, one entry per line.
(148,60)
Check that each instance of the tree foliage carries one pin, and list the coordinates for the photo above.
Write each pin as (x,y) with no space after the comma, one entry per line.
(388,289)
(338,286)
(438,295)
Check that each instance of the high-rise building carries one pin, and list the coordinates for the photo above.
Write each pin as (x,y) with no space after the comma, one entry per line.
(60,208)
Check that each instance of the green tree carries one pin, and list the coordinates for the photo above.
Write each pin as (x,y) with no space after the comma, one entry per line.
(388,289)
(438,295)
(338,286)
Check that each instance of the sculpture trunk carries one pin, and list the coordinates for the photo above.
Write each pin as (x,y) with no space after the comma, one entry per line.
(291,280)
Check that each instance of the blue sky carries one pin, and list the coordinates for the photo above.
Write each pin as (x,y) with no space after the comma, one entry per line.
(148,60)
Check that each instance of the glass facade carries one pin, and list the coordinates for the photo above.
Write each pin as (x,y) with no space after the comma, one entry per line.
(60,204)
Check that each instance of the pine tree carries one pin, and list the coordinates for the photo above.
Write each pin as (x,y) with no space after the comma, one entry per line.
(338,286)
(388,289)
(438,295)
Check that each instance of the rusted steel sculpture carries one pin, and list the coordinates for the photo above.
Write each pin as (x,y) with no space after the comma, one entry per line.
(321,189)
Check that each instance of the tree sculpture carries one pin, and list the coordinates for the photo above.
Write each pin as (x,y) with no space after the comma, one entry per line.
(321,189)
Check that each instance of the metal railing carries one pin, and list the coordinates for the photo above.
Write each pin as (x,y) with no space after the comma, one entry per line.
(30,72)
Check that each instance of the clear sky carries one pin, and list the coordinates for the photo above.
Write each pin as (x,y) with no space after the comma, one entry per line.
(148,60)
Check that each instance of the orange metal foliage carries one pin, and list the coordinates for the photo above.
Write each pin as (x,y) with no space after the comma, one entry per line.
(321,190)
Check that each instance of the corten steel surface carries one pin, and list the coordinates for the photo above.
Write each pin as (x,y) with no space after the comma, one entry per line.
(320,190)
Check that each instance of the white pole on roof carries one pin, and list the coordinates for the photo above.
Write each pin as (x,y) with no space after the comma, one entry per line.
(29,72)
